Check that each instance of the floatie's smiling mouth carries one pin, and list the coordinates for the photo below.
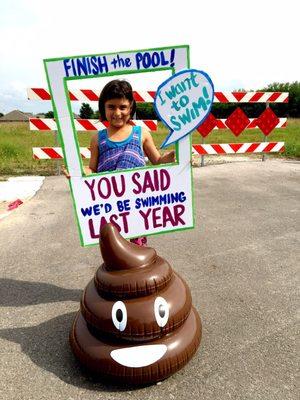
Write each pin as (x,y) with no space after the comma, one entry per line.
(139,356)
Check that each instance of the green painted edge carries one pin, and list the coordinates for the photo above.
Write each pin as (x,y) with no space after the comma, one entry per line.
(190,136)
(63,144)
(75,133)
(55,114)
(119,52)
(76,215)
(193,188)
(53,103)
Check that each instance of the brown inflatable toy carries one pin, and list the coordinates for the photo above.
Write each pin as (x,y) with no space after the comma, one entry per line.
(136,324)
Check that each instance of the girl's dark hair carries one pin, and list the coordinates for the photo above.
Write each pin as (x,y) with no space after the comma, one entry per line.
(116,89)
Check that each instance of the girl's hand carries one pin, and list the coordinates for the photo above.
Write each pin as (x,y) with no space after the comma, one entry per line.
(168,157)
(65,172)
(86,170)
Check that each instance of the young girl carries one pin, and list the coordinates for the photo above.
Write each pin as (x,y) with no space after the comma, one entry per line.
(121,145)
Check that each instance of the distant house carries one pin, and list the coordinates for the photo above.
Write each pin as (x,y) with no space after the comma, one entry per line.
(16,116)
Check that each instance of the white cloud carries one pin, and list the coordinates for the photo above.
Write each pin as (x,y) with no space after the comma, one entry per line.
(240,44)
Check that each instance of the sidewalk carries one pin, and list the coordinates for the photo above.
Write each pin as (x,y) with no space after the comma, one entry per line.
(16,190)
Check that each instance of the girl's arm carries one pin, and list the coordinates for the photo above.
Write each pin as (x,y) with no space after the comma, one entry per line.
(153,154)
(93,164)
(65,172)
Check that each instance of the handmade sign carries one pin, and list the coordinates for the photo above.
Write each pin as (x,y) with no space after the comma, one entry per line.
(183,102)
(144,201)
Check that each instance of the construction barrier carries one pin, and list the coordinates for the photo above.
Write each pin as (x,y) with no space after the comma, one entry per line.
(47,153)
(238,148)
(237,122)
(148,96)
(49,124)
(56,153)
(86,95)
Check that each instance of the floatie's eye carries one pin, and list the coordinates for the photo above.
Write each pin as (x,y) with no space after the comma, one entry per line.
(119,315)
(161,311)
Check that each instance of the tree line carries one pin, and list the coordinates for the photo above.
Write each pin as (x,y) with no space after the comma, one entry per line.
(253,110)
(223,110)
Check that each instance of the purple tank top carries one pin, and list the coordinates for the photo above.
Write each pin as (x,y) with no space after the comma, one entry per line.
(120,155)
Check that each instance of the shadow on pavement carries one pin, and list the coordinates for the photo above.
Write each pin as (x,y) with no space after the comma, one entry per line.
(16,293)
(47,346)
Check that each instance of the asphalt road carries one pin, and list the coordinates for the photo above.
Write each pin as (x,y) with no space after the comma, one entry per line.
(241,263)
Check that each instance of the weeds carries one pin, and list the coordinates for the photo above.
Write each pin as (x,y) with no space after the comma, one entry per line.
(16,142)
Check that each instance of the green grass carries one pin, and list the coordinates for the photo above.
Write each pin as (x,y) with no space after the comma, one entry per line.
(16,142)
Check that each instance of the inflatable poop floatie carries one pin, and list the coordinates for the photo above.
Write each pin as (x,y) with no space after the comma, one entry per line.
(136,322)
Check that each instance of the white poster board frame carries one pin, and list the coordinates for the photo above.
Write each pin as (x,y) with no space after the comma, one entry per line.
(143,201)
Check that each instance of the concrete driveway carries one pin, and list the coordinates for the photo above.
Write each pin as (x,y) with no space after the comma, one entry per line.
(241,262)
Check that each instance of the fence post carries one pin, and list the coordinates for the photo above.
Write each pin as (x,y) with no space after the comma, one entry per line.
(263,158)
(202,156)
(58,166)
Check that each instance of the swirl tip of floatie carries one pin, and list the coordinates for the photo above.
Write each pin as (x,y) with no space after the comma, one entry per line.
(119,254)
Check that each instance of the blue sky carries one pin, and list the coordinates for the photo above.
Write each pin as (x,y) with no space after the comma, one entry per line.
(240,44)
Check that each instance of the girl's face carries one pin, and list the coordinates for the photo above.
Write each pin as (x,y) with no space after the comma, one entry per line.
(117,112)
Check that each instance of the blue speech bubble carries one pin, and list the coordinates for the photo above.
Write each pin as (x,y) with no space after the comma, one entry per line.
(183,102)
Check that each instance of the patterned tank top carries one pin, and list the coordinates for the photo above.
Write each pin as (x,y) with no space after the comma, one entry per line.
(125,154)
